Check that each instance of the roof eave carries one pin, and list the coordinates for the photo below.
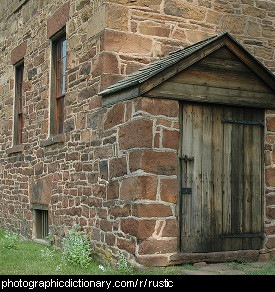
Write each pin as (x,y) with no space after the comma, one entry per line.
(121,95)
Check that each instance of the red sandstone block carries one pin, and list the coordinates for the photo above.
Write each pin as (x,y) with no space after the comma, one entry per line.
(270,242)
(99,191)
(105,63)
(113,190)
(270,213)
(270,124)
(18,53)
(136,134)
(170,139)
(154,29)
(162,163)
(106,225)
(139,187)
(270,177)
(128,245)
(151,210)
(171,228)
(157,246)
(157,106)
(141,229)
(270,199)
(120,211)
(269,230)
(110,239)
(122,42)
(169,190)
(117,167)
(58,19)
(115,116)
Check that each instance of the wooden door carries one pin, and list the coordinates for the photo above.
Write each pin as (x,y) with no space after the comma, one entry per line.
(221,161)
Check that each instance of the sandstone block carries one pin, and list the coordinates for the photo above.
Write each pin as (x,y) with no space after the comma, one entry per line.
(270,199)
(169,190)
(270,124)
(117,167)
(171,228)
(234,24)
(104,63)
(113,190)
(58,19)
(117,17)
(141,229)
(270,242)
(158,107)
(170,139)
(151,210)
(185,10)
(126,43)
(139,187)
(157,246)
(18,53)
(153,4)
(97,21)
(128,245)
(253,11)
(162,163)
(115,116)
(154,29)
(265,53)
(270,177)
(136,134)
(268,32)
(270,213)
(254,29)
(41,189)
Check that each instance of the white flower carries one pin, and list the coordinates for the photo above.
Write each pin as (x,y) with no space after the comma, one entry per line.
(101,268)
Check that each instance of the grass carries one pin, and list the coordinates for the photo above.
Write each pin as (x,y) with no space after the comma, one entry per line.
(267,268)
(30,258)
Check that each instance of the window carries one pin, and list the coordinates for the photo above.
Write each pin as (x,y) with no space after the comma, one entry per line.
(41,222)
(58,85)
(18,107)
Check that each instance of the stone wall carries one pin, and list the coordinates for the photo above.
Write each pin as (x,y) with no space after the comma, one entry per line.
(114,170)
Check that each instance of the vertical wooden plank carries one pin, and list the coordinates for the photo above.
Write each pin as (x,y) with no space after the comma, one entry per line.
(206,167)
(248,179)
(196,226)
(217,173)
(187,134)
(237,177)
(227,213)
(257,180)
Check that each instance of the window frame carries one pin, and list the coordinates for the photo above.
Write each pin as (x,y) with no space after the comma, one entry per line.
(57,109)
(18,104)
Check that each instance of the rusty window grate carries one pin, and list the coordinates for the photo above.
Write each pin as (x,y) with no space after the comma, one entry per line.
(41,224)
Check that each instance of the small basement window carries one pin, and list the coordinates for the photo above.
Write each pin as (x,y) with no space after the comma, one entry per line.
(41,225)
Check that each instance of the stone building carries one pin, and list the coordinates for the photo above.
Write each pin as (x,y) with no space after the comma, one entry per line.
(81,144)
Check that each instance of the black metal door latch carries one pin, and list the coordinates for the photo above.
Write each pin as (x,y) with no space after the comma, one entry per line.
(186,158)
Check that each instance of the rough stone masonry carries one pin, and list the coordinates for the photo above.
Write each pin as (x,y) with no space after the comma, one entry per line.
(114,169)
